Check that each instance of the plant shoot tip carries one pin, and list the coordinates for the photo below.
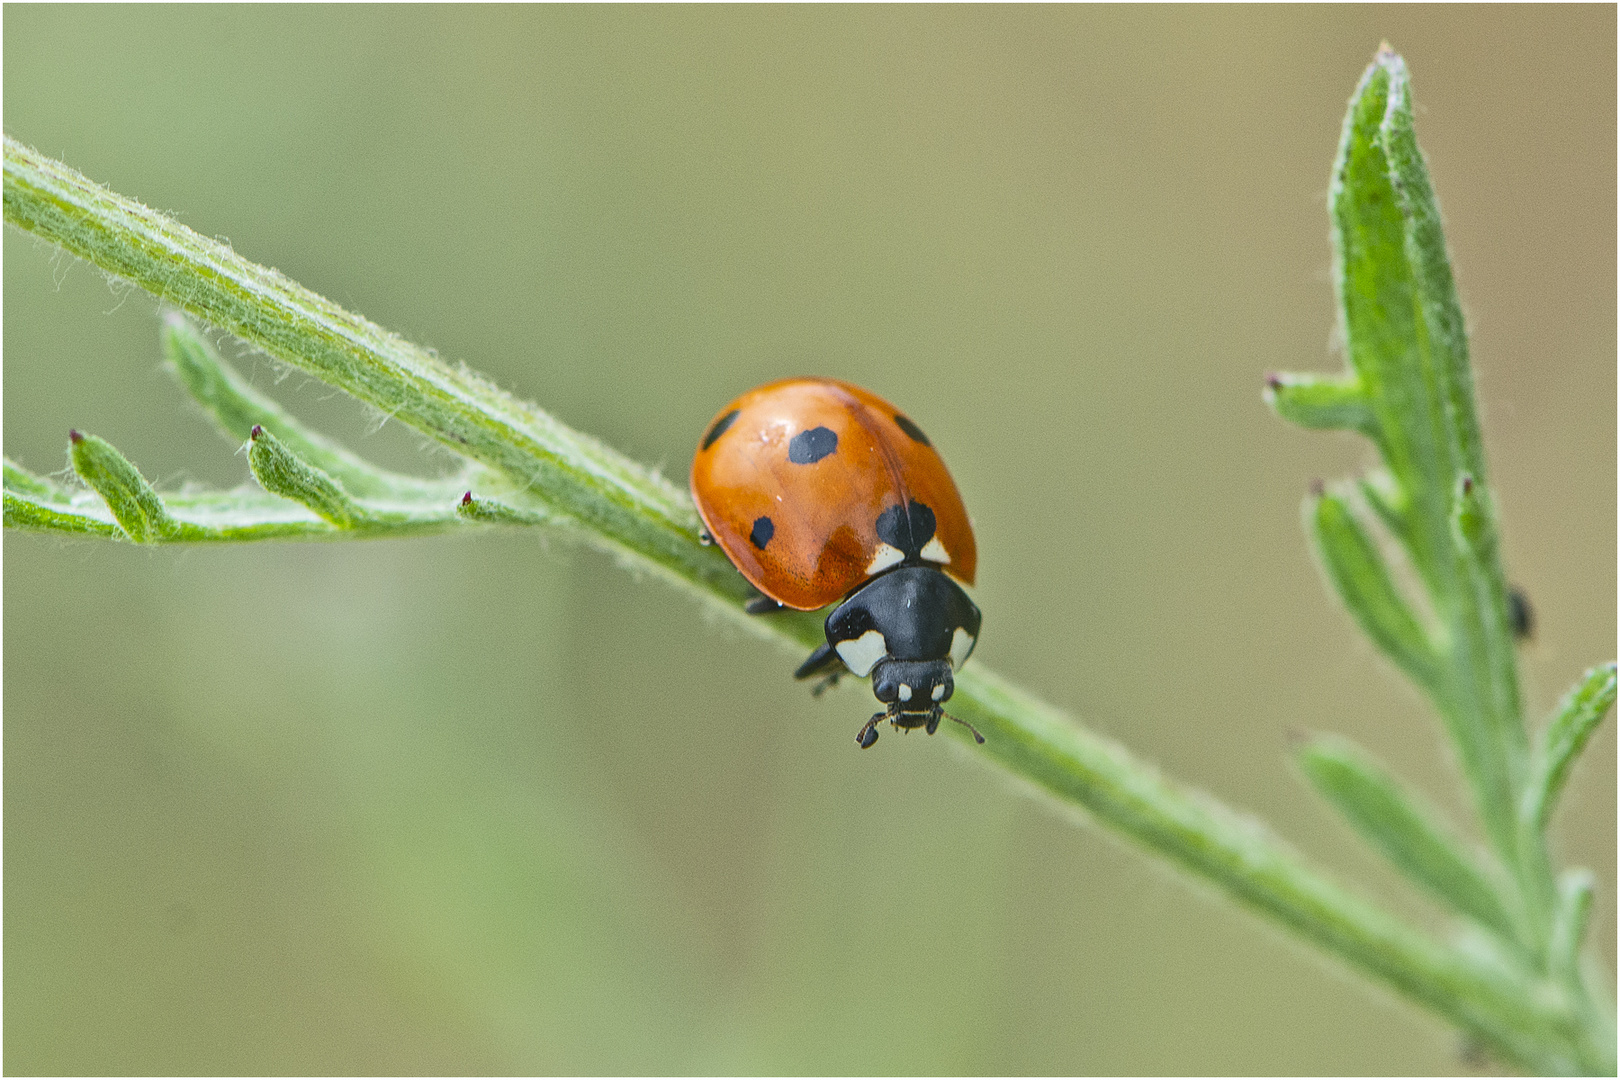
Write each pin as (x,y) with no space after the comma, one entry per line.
(1273,381)
(74,437)
(255,433)
(1318,489)
(466,500)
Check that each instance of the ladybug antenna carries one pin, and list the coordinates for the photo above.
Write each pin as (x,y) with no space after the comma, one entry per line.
(976,736)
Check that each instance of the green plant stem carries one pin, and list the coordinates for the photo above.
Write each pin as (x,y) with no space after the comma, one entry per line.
(198,517)
(1245,860)
(629,510)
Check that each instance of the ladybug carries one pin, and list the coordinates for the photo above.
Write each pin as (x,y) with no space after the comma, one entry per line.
(819,491)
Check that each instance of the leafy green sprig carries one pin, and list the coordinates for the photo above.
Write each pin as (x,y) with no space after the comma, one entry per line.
(1409,389)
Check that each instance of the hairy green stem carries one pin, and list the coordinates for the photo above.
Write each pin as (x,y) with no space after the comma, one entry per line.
(194,517)
(561,475)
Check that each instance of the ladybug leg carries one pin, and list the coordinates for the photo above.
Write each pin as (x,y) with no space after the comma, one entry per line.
(933,721)
(869,733)
(826,684)
(821,662)
(762,605)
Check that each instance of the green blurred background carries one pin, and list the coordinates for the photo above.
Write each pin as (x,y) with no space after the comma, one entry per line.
(490,803)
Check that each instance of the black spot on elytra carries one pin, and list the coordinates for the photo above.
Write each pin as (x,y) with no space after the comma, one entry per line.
(764,529)
(911,429)
(809,447)
(906,531)
(719,428)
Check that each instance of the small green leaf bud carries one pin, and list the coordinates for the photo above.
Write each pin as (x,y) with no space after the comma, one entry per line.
(134,505)
(282,472)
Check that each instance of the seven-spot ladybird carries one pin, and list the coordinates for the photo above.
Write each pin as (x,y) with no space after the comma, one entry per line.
(819,491)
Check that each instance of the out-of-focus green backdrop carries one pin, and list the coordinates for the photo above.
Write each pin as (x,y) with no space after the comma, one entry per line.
(489,803)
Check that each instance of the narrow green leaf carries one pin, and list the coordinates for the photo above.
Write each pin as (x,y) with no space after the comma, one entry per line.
(239,516)
(491,512)
(1444,337)
(1407,344)
(23,482)
(1321,401)
(1569,921)
(284,473)
(1379,305)
(1356,568)
(138,509)
(27,512)
(237,408)
(1408,832)
(1577,717)
(1388,500)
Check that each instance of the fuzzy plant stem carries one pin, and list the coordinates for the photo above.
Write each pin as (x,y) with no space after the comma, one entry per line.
(557,475)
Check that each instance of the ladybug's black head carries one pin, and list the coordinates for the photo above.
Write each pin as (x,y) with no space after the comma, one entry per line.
(912,686)
(909,628)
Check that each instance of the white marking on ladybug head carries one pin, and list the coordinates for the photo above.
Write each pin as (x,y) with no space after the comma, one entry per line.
(905,692)
(884,557)
(934,551)
(939,691)
(863,652)
(961,645)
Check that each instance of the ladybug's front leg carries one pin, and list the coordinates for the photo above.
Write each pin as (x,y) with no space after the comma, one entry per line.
(823,662)
(869,733)
(826,684)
